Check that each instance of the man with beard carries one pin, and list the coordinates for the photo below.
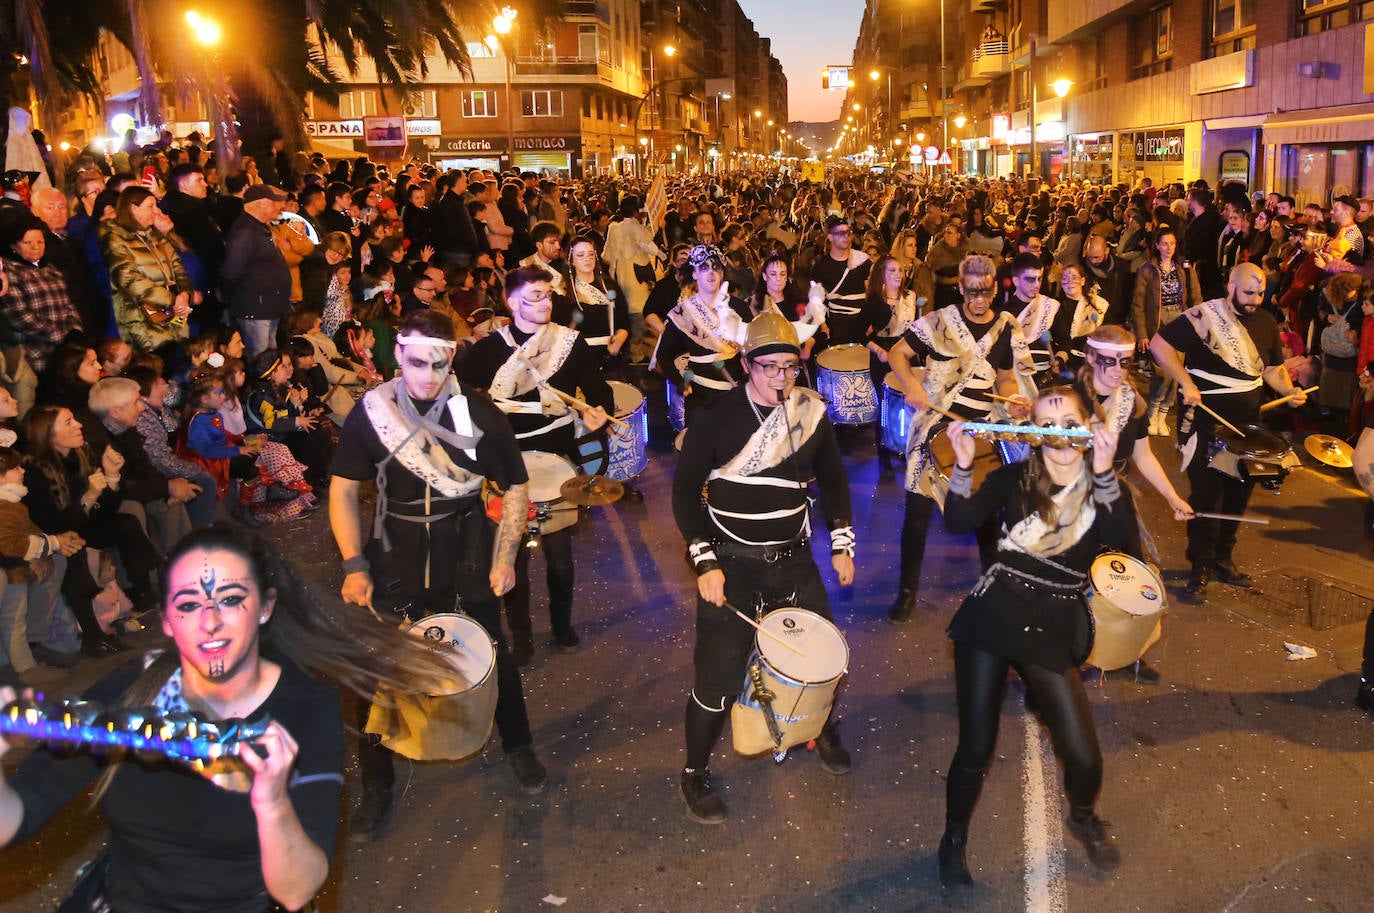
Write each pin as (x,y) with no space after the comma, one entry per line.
(522,366)
(430,443)
(969,352)
(843,274)
(1226,350)
(1112,278)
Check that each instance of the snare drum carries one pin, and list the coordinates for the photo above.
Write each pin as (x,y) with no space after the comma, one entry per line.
(897,416)
(987,456)
(1126,600)
(803,680)
(1260,455)
(548,472)
(449,726)
(842,378)
(677,408)
(629,447)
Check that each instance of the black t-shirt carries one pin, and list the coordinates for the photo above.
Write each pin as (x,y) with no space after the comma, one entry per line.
(975,400)
(177,841)
(498,455)
(1237,408)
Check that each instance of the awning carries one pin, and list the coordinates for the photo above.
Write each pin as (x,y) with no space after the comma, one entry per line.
(1344,124)
(1235,123)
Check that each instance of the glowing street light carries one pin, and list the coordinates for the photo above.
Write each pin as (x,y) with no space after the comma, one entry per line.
(959,121)
(207,31)
(873,75)
(669,50)
(1061,86)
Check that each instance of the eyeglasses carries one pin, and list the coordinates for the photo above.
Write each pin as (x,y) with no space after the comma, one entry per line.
(771,370)
(1105,362)
(979,291)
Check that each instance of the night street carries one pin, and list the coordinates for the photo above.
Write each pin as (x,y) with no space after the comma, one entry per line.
(1239,784)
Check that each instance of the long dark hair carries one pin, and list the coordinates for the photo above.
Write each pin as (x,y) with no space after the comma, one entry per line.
(1036,483)
(343,643)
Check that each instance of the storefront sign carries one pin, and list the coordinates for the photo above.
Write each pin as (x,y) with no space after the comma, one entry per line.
(385,131)
(1001,126)
(1235,166)
(474,144)
(547,143)
(1048,132)
(353,129)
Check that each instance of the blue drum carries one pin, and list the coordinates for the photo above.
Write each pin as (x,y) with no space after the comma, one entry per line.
(677,408)
(842,378)
(897,416)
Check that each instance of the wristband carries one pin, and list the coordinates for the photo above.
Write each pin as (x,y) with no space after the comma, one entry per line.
(702,554)
(842,540)
(358,564)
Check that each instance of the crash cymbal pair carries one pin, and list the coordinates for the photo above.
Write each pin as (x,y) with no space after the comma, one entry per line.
(591,491)
(1330,450)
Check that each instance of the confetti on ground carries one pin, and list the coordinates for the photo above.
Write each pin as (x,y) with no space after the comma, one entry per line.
(1298,651)
(555,900)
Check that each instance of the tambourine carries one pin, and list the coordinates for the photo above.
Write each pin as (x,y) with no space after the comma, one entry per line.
(1051,436)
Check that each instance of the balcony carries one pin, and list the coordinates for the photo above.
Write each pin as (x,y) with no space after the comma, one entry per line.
(552,65)
(990,60)
(586,9)
(984,6)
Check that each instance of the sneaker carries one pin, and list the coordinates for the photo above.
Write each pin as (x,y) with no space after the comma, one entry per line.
(1229,574)
(833,755)
(279,492)
(1364,697)
(1101,846)
(370,818)
(902,607)
(1138,672)
(704,806)
(522,651)
(55,659)
(529,773)
(566,641)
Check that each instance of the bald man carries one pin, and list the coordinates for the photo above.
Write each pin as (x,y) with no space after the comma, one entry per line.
(50,206)
(1222,353)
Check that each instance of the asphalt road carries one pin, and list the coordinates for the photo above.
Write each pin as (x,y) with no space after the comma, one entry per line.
(1241,784)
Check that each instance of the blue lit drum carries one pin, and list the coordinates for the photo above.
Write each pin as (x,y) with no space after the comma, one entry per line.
(629,447)
(897,416)
(842,378)
(677,408)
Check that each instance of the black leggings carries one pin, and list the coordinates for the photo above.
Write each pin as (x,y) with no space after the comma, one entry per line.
(981,683)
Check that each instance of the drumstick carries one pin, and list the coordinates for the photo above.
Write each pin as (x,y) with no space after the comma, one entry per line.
(1204,407)
(1020,400)
(580,405)
(762,630)
(1237,517)
(1283,399)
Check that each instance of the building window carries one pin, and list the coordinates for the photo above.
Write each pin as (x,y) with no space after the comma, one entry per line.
(1323,15)
(357,104)
(422,103)
(541,103)
(480,49)
(1233,26)
(1101,54)
(479,103)
(1155,53)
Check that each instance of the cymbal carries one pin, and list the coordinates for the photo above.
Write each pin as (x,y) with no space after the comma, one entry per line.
(1330,450)
(591,491)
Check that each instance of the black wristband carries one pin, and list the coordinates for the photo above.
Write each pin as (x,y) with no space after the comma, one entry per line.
(358,564)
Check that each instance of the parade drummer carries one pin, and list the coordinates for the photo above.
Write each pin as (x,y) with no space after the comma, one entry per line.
(970,352)
(1221,352)
(246,640)
(1056,510)
(1105,382)
(600,312)
(698,351)
(1034,311)
(531,369)
(748,540)
(896,307)
(842,275)
(430,442)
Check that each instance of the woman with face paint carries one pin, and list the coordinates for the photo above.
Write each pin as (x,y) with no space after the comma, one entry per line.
(244,638)
(1058,509)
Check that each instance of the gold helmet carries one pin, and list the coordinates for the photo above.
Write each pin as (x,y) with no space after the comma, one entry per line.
(770,332)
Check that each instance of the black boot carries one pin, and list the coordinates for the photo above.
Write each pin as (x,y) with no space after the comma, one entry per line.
(902,607)
(704,805)
(953,852)
(1091,831)
(530,775)
(1364,697)
(370,818)
(834,756)
(1195,593)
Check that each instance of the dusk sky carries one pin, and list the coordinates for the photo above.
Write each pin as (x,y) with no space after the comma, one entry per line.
(808,36)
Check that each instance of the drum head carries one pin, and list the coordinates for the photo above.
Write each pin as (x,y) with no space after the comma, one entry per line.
(823,656)
(547,472)
(1259,442)
(627,398)
(892,381)
(1130,585)
(985,456)
(848,357)
(469,646)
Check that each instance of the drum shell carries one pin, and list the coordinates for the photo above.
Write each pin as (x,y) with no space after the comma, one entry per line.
(444,727)
(896,417)
(629,447)
(800,708)
(842,377)
(1120,637)
(677,408)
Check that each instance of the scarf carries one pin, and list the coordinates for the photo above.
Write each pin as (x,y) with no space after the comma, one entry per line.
(1088,312)
(1221,332)
(531,365)
(1118,407)
(711,325)
(903,313)
(1075,514)
(1036,317)
(776,439)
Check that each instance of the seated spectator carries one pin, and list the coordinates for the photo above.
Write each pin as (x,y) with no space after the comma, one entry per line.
(71,489)
(284,413)
(318,269)
(156,426)
(67,380)
(272,486)
(33,294)
(347,379)
(153,295)
(381,314)
(113,354)
(338,300)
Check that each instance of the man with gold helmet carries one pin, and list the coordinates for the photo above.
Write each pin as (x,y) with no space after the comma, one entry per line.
(754,453)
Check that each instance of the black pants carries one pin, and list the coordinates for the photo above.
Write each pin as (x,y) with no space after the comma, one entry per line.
(558,572)
(1367,667)
(1211,541)
(981,683)
(915,526)
(724,642)
(460,562)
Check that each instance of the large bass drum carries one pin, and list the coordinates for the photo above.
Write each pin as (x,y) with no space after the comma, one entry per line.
(449,726)
(842,378)
(1127,602)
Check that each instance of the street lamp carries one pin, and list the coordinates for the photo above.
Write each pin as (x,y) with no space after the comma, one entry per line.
(208,33)
(959,121)
(501,25)
(1061,86)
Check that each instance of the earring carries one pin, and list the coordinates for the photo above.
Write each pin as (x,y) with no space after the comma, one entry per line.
(262,620)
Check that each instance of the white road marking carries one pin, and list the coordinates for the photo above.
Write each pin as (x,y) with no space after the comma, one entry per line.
(1043,839)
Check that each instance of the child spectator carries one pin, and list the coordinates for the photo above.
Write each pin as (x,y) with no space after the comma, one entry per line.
(282,411)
